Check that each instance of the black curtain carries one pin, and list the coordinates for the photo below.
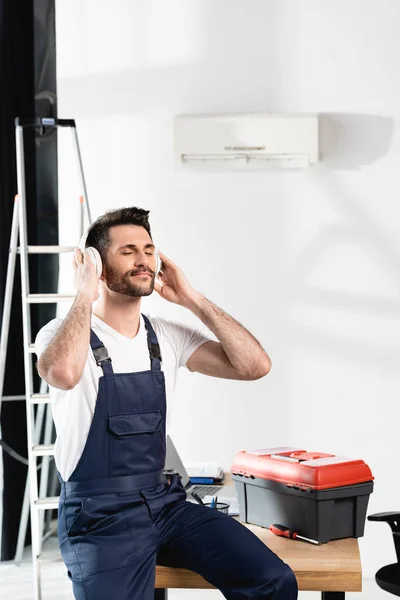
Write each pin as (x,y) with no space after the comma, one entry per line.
(27,89)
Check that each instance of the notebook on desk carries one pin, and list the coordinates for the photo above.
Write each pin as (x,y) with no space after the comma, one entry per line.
(173,462)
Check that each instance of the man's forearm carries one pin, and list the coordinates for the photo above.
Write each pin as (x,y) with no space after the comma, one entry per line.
(243,350)
(62,363)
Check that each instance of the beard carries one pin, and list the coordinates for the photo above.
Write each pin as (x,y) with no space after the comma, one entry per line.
(123,284)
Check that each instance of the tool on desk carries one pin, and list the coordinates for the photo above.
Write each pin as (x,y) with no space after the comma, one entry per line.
(220,506)
(197,498)
(230,501)
(290,533)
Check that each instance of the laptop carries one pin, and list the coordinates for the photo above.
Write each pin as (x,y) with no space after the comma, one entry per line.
(173,462)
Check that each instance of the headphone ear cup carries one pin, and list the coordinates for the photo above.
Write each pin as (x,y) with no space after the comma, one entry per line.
(95,257)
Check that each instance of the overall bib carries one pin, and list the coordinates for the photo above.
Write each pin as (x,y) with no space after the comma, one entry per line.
(118,515)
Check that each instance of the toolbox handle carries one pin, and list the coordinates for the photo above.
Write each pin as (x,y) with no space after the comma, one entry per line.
(284,457)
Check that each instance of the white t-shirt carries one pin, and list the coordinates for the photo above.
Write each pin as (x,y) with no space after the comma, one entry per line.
(73,409)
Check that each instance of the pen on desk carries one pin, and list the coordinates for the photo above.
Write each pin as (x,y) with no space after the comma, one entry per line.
(197,498)
(213,503)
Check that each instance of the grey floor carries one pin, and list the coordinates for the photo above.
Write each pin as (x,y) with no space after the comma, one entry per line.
(16,583)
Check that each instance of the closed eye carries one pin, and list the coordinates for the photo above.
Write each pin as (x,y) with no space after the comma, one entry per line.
(147,253)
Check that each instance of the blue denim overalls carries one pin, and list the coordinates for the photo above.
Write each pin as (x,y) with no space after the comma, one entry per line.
(118,515)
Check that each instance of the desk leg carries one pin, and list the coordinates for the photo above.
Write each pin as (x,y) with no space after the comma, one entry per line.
(160,594)
(333,596)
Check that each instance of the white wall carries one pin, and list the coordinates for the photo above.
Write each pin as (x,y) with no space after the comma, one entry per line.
(309,261)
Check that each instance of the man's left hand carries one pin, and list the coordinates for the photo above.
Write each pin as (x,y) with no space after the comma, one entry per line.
(174,285)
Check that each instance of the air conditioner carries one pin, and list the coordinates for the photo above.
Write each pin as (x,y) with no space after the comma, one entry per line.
(255,141)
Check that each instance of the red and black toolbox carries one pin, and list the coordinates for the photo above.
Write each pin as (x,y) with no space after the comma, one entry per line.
(321,496)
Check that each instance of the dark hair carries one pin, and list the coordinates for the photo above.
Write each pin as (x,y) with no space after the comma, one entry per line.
(98,233)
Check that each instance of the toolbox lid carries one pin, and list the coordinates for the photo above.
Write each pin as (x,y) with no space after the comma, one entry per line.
(296,467)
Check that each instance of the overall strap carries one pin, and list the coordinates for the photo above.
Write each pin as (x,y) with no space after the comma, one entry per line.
(153,345)
(100,354)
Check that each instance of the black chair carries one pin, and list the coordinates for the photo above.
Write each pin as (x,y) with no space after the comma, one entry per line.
(388,577)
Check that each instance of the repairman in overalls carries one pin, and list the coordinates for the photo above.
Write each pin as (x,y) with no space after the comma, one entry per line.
(110,371)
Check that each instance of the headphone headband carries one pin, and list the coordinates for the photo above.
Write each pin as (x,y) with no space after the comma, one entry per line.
(82,242)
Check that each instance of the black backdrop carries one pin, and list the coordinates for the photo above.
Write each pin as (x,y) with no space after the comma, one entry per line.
(27,89)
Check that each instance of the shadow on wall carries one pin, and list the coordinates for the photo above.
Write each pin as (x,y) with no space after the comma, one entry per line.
(345,282)
(350,141)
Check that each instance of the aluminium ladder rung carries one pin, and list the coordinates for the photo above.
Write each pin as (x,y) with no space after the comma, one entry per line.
(47,249)
(47,503)
(48,298)
(34,399)
(40,399)
(43,450)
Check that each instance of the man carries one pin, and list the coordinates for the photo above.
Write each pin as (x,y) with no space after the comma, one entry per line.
(110,370)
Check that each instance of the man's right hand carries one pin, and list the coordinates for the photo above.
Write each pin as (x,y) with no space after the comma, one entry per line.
(86,281)
(62,362)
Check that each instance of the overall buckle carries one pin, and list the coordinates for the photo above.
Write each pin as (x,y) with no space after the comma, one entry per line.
(101,355)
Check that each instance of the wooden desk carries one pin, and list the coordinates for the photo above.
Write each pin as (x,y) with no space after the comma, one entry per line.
(333,568)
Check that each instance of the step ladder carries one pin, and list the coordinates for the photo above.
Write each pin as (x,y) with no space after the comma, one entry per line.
(36,501)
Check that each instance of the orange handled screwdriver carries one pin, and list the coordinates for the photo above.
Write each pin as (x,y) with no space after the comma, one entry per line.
(290,533)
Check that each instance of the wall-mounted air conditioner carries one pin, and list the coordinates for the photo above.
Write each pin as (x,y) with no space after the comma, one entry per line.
(259,141)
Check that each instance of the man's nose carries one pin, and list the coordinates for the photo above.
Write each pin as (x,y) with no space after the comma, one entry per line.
(141,260)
